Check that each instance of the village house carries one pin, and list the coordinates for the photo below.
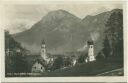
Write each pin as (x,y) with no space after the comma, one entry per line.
(48,59)
(38,67)
(45,59)
(10,52)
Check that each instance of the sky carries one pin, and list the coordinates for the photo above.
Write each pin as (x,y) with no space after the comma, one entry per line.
(19,17)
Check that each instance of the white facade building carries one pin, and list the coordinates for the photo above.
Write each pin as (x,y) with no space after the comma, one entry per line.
(37,67)
(91,53)
(91,56)
(43,52)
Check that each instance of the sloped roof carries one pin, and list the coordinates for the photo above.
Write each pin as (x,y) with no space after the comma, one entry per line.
(90,42)
(41,61)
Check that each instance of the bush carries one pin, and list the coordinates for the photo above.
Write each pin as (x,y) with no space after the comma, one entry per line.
(58,63)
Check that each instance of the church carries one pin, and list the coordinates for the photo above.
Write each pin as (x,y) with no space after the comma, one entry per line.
(40,66)
(91,56)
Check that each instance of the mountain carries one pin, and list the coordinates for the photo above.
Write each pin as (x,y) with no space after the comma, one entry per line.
(64,32)
(60,30)
(97,26)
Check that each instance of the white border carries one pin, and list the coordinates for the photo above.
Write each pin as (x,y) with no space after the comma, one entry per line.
(64,79)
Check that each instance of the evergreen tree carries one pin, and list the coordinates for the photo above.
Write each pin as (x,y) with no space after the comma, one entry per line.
(100,56)
(115,33)
(58,63)
(107,48)
(113,42)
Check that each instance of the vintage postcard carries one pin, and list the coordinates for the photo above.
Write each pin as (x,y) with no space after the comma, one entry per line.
(70,82)
(63,39)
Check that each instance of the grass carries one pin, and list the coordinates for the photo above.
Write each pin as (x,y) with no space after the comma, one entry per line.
(86,69)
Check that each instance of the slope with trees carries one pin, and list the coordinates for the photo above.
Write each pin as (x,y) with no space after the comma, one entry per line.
(15,61)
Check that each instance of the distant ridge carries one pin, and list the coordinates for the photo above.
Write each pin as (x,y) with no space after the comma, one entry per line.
(64,32)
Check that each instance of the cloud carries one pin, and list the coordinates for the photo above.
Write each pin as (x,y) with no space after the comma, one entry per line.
(19,25)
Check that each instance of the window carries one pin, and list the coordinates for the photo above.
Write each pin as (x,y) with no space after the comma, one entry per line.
(35,67)
(41,67)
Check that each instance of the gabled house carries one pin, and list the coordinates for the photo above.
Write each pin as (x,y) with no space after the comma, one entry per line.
(38,66)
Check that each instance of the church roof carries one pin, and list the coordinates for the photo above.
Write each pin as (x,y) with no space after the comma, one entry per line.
(41,61)
(90,42)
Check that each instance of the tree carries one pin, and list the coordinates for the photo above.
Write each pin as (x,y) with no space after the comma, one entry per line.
(67,61)
(82,58)
(106,50)
(15,62)
(113,42)
(10,43)
(100,56)
(58,63)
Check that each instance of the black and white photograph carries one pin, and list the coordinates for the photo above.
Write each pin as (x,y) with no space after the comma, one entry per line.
(69,82)
(63,39)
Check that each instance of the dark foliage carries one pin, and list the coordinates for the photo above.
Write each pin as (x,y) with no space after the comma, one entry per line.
(67,62)
(86,69)
(100,56)
(15,62)
(10,43)
(82,58)
(107,48)
(58,63)
(113,42)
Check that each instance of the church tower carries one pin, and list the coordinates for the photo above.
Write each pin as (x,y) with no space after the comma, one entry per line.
(91,56)
(43,50)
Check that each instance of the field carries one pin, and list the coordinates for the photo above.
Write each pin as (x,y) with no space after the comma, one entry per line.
(85,69)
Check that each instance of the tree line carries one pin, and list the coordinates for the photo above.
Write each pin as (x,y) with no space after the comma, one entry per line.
(113,41)
(15,61)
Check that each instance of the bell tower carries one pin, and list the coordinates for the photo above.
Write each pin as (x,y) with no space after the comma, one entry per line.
(43,50)
(91,56)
